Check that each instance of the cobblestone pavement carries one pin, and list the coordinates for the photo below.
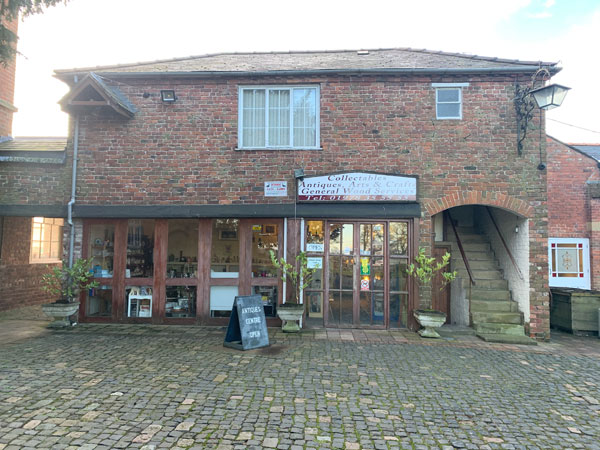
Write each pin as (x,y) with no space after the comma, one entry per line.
(137,386)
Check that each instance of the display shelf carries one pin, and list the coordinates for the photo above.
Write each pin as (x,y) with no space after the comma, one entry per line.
(139,306)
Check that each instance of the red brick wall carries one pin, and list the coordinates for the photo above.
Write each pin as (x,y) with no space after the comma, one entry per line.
(19,280)
(7,89)
(568,198)
(570,207)
(185,153)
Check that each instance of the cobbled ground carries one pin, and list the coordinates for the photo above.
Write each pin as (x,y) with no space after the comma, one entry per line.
(115,386)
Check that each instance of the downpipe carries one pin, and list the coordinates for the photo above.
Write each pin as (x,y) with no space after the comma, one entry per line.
(73,192)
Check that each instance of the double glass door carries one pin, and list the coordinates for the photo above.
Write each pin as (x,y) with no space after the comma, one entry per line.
(366,284)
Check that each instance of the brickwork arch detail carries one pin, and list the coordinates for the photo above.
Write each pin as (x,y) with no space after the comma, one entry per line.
(487,198)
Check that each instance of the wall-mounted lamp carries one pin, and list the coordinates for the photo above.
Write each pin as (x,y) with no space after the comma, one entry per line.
(168,95)
(299,174)
(546,97)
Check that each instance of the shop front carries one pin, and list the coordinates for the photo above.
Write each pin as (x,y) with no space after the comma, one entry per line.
(189,270)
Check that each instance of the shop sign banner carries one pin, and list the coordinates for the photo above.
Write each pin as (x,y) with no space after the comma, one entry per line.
(357,187)
(275,188)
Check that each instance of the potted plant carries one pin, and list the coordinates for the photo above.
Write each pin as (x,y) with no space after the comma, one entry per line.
(66,282)
(423,270)
(299,276)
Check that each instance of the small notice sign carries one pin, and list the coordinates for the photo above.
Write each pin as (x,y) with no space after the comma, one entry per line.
(365,267)
(364,285)
(275,188)
(247,324)
(314,263)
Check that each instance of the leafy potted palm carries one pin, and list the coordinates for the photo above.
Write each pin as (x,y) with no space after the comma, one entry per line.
(299,276)
(65,283)
(423,270)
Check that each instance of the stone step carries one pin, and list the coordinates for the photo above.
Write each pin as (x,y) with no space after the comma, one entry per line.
(500,328)
(473,238)
(479,293)
(514,318)
(477,247)
(481,274)
(491,284)
(507,339)
(487,264)
(491,305)
(476,256)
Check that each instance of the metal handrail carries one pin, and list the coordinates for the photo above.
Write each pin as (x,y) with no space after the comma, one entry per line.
(504,243)
(460,247)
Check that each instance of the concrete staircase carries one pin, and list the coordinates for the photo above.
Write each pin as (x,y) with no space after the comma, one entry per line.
(494,315)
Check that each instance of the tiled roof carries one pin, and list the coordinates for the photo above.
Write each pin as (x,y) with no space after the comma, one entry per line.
(592,150)
(340,60)
(34,144)
(38,150)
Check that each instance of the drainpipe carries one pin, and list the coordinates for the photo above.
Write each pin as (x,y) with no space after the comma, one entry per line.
(73,187)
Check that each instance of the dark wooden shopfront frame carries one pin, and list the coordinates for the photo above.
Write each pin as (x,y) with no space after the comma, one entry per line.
(160,281)
(412,288)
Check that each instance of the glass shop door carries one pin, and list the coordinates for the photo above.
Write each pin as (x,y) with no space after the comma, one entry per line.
(356,289)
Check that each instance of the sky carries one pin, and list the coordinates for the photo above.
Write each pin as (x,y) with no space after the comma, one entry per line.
(101,32)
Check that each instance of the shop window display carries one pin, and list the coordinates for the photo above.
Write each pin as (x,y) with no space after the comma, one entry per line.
(101,249)
(99,302)
(139,301)
(182,259)
(140,249)
(181,301)
(225,249)
(264,239)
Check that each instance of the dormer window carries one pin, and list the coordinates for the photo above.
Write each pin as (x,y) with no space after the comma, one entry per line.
(279,117)
(448,100)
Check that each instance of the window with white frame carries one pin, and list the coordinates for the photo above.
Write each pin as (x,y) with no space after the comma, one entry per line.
(279,117)
(448,100)
(46,240)
(569,262)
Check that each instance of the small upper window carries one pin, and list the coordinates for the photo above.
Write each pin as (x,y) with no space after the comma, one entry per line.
(46,240)
(279,117)
(448,100)
(448,103)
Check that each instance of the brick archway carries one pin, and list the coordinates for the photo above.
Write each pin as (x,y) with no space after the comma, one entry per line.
(486,198)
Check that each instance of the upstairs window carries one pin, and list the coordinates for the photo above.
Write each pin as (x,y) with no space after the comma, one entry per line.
(46,240)
(279,117)
(448,100)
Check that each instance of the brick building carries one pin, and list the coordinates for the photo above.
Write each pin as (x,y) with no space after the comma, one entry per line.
(190,170)
(31,176)
(573,214)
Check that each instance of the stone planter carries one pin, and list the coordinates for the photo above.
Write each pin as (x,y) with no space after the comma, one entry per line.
(60,312)
(290,314)
(429,320)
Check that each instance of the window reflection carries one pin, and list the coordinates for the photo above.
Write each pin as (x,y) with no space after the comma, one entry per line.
(225,249)
(182,259)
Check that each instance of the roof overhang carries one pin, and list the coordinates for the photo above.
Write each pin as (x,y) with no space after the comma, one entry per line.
(68,76)
(104,98)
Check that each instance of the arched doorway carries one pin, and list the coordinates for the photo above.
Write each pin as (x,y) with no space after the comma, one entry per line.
(490,252)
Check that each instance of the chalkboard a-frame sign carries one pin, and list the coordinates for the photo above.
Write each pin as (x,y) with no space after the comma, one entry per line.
(247,324)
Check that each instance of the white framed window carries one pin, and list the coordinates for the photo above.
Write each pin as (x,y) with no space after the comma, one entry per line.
(448,100)
(278,117)
(569,262)
(46,240)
